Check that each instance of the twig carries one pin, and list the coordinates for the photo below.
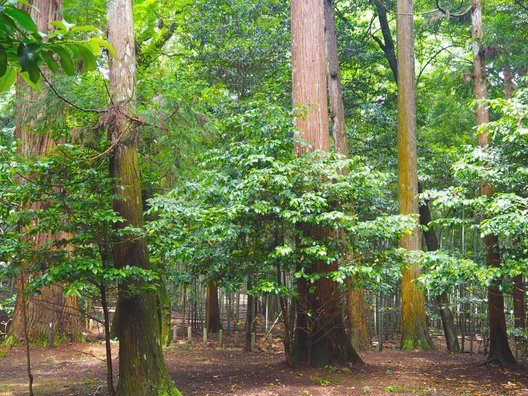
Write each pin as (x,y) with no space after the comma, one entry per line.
(69,102)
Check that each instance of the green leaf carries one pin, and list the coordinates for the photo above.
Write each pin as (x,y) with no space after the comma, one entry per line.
(7,24)
(3,60)
(22,18)
(52,63)
(65,60)
(85,28)
(26,3)
(89,61)
(8,79)
(27,79)
(59,24)
(104,44)
(75,50)
(92,47)
(28,56)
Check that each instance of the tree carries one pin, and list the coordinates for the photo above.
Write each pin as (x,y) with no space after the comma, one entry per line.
(320,332)
(212,310)
(356,310)
(141,367)
(48,308)
(414,328)
(431,241)
(499,346)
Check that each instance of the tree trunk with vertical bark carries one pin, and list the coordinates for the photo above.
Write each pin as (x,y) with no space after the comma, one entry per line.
(212,309)
(414,329)
(320,335)
(51,306)
(141,366)
(499,347)
(357,326)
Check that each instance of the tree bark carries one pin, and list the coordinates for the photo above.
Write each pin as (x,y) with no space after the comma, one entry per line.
(414,329)
(499,346)
(212,310)
(320,333)
(309,74)
(141,366)
(51,306)
(357,326)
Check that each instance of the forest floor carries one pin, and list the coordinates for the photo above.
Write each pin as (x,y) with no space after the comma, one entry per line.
(198,369)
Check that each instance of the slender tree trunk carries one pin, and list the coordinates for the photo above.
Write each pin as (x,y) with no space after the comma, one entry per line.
(519,305)
(108,344)
(509,84)
(387,45)
(50,306)
(356,311)
(519,287)
(442,301)
(499,346)
(164,313)
(414,329)
(141,367)
(212,309)
(335,90)
(320,332)
(250,317)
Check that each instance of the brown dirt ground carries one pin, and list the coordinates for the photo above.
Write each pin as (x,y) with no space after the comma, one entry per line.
(198,369)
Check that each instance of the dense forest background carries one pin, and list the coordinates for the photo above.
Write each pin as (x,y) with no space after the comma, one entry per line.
(162,167)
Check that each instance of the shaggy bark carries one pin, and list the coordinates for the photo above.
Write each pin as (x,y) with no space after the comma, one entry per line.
(320,333)
(141,366)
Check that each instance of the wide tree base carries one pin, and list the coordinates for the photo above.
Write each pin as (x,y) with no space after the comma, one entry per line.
(335,347)
(416,344)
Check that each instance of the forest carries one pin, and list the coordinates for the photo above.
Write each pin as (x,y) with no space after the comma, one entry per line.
(263,197)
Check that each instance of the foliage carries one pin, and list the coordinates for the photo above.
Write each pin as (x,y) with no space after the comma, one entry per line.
(57,220)
(251,197)
(25,50)
(502,163)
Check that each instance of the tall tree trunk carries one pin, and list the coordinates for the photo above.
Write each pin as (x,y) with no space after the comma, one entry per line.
(425,216)
(50,306)
(212,309)
(320,332)
(356,311)
(499,346)
(442,301)
(141,367)
(414,328)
